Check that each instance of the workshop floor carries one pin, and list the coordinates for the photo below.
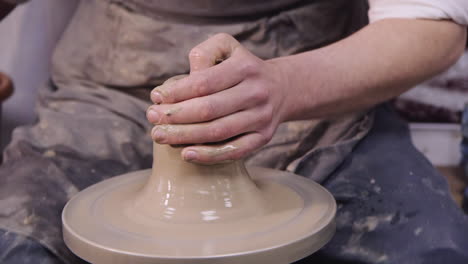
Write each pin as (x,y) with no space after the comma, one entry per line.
(456,181)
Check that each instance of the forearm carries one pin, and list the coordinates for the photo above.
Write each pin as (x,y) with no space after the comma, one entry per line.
(377,63)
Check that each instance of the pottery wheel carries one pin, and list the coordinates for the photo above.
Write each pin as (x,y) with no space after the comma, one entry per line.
(149,217)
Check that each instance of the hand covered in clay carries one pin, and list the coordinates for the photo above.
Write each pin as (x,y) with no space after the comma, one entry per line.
(229,105)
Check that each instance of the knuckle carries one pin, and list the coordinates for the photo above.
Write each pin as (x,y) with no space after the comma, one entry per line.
(206,111)
(218,133)
(196,53)
(223,36)
(250,68)
(268,112)
(268,134)
(260,94)
(200,85)
(265,136)
(262,140)
(265,118)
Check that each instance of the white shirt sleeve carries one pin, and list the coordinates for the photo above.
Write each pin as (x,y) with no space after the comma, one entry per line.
(456,10)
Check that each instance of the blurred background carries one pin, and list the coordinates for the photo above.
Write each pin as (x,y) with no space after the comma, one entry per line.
(27,38)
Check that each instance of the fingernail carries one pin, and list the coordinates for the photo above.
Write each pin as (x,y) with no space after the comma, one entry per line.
(156,97)
(190,155)
(152,116)
(158,134)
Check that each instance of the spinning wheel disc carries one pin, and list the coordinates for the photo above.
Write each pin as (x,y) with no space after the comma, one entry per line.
(272,217)
(299,222)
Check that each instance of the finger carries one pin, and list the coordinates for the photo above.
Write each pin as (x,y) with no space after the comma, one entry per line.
(214,131)
(206,82)
(232,150)
(175,78)
(156,96)
(211,51)
(207,108)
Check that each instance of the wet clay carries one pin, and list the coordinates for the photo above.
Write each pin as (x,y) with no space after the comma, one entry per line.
(181,212)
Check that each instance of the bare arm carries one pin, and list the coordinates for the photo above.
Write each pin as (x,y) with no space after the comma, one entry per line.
(244,99)
(378,63)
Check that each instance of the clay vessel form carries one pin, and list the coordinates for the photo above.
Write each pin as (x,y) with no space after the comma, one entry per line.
(181,212)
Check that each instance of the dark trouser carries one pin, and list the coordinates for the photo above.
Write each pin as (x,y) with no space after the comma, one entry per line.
(393,207)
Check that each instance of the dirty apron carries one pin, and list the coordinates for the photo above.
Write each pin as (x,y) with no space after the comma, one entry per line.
(92,123)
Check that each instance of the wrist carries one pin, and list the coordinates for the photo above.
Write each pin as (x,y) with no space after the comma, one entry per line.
(287,83)
(302,83)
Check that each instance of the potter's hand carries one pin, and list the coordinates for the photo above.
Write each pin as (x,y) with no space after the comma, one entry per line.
(229,105)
